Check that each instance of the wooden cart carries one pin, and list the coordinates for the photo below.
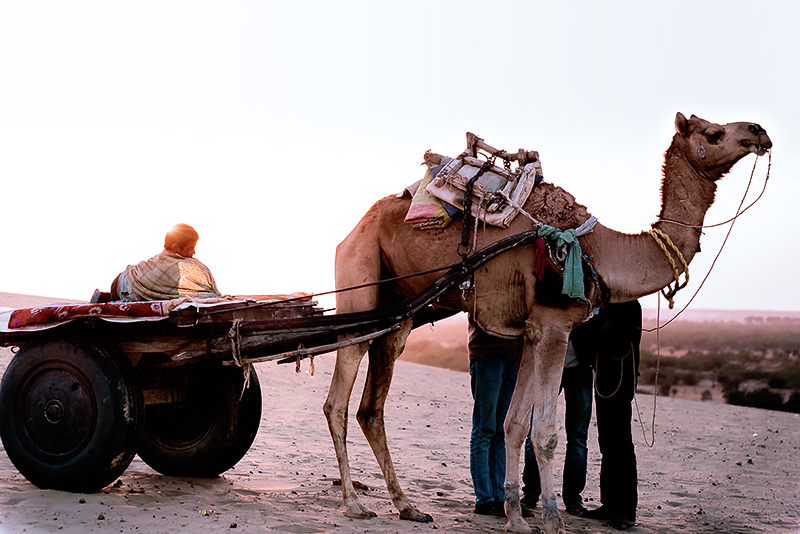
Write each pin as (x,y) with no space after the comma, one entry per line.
(80,398)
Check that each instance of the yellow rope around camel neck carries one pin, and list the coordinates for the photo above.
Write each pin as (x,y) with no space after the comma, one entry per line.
(664,241)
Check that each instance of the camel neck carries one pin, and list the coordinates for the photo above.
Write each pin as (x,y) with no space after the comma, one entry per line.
(685,198)
(640,267)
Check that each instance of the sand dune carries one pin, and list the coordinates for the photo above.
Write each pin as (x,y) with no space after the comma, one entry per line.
(18,300)
(714,468)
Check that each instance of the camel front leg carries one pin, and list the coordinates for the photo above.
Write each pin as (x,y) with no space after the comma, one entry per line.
(335,408)
(516,428)
(382,355)
(537,385)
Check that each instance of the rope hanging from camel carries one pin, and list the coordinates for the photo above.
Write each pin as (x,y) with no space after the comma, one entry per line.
(519,208)
(621,377)
(663,241)
(652,441)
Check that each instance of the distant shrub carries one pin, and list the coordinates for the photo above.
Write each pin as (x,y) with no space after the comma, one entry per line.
(729,382)
(793,404)
(735,397)
(773,333)
(650,359)
(789,373)
(706,362)
(665,385)
(776,382)
(689,378)
(668,377)
(647,376)
(762,398)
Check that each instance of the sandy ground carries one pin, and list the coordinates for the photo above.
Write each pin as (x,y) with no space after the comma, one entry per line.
(714,468)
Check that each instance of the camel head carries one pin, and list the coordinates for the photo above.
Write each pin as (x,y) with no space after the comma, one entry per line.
(712,149)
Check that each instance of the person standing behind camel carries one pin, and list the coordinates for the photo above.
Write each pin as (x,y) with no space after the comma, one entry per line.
(490,359)
(171,274)
(612,338)
(493,365)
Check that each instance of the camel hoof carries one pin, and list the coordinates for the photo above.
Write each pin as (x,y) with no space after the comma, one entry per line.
(360,512)
(412,514)
(554,525)
(518,525)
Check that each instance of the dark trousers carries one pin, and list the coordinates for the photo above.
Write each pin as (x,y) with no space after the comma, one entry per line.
(492,380)
(616,385)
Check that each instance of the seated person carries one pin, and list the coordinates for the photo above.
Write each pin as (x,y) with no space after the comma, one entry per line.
(171,274)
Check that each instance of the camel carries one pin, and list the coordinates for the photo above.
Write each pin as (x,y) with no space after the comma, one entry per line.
(507,301)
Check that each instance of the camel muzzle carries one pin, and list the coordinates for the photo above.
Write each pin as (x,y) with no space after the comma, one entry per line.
(764,142)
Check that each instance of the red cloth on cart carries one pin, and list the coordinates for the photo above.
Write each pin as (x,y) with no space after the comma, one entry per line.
(57,313)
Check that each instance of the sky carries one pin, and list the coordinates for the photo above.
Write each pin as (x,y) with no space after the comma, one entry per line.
(273,126)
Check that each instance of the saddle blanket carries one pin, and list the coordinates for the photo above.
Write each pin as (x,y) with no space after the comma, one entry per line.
(426,210)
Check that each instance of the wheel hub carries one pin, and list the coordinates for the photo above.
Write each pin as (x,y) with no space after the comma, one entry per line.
(58,410)
(54,411)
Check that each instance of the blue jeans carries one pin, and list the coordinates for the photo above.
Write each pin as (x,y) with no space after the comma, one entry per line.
(492,380)
(577,385)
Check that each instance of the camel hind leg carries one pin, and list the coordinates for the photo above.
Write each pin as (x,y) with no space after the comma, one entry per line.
(382,355)
(354,266)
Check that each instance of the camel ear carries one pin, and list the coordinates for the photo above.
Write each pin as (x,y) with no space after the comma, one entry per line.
(681,124)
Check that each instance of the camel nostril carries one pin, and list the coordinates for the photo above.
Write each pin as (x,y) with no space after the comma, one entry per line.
(756,129)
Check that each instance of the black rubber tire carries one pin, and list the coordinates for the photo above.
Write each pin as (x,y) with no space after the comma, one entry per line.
(71,414)
(210,429)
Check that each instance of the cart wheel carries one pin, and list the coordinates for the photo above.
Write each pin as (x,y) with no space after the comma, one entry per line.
(71,415)
(209,429)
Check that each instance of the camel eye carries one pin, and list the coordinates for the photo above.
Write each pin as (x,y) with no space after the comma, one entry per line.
(715,137)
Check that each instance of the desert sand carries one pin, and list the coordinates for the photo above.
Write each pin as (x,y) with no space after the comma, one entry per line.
(714,468)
